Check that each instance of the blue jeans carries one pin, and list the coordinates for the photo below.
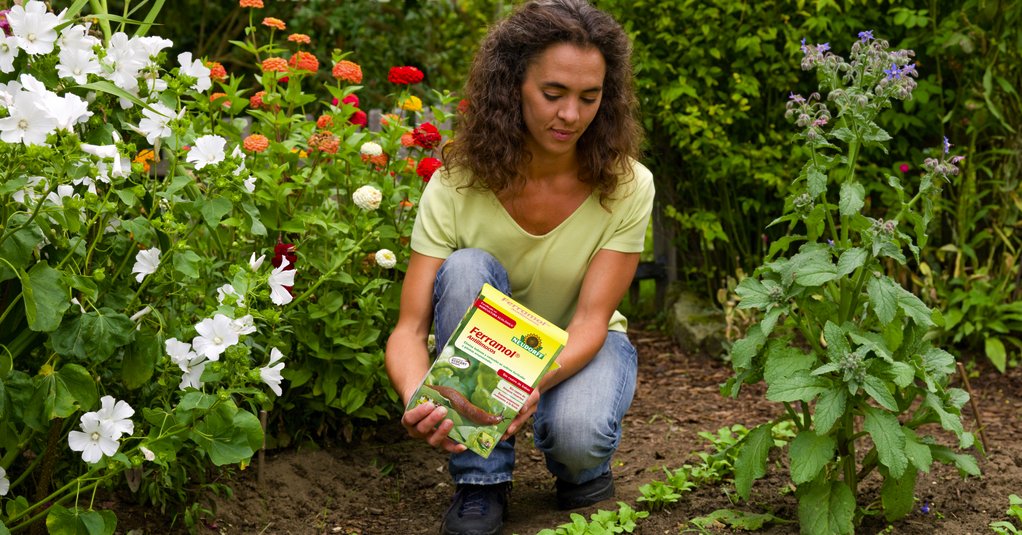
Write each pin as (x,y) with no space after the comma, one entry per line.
(577,424)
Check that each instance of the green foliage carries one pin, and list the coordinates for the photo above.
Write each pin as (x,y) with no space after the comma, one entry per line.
(737,520)
(1004,527)
(601,522)
(839,340)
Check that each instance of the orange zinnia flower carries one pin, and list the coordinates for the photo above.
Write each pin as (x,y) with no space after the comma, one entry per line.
(304,61)
(274,65)
(217,71)
(144,157)
(274,22)
(256,143)
(407,140)
(226,103)
(348,71)
(324,121)
(256,100)
(251,3)
(299,38)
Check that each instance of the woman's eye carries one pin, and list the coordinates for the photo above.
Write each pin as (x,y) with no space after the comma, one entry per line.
(548,96)
(589,100)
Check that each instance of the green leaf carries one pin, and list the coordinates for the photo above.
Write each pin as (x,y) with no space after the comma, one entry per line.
(914,307)
(45,297)
(93,336)
(65,391)
(140,359)
(917,452)
(897,495)
(951,422)
(826,508)
(213,210)
(829,409)
(853,196)
(17,248)
(965,463)
(800,386)
(817,181)
(63,521)
(186,261)
(882,298)
(751,462)
(228,435)
(816,272)
(851,260)
(877,389)
(808,454)
(837,343)
(753,293)
(783,360)
(885,430)
(995,352)
(744,350)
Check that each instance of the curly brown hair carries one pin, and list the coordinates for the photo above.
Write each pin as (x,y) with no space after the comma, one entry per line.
(490,136)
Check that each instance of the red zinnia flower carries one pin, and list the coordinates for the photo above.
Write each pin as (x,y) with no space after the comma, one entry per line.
(405,75)
(360,118)
(304,61)
(351,99)
(427,166)
(324,121)
(348,71)
(426,136)
(256,100)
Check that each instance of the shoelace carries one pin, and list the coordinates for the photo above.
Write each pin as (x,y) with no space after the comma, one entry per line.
(475,502)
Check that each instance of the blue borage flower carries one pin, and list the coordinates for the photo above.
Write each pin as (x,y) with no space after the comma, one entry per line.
(866,36)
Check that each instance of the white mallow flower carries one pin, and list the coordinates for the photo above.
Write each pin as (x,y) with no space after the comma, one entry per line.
(216,334)
(5,484)
(270,374)
(244,324)
(122,62)
(279,279)
(196,70)
(207,150)
(250,183)
(96,439)
(8,52)
(146,262)
(371,148)
(78,64)
(151,46)
(26,123)
(75,38)
(118,414)
(385,258)
(35,29)
(224,291)
(179,351)
(154,122)
(192,369)
(141,313)
(66,111)
(63,191)
(147,453)
(367,198)
(255,263)
(28,194)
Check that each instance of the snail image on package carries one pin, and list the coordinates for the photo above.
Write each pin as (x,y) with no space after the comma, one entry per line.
(492,362)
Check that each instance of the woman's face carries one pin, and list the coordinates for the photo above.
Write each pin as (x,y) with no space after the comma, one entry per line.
(561,94)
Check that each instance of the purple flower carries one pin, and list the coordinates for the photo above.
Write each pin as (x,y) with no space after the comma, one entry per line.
(947,145)
(925,509)
(805,48)
(823,48)
(799,99)
(866,36)
(4,24)
(893,72)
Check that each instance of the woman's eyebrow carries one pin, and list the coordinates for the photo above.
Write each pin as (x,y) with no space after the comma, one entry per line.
(559,85)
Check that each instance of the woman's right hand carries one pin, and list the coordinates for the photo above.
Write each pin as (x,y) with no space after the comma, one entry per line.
(428,422)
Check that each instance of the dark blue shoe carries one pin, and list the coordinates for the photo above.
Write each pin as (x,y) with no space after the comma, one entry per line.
(574,496)
(477,510)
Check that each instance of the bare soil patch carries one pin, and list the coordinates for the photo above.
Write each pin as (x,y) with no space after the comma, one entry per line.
(392,485)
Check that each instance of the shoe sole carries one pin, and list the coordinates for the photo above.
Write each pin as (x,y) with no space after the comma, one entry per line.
(577,502)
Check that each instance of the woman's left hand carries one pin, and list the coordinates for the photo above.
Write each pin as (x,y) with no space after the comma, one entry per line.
(528,409)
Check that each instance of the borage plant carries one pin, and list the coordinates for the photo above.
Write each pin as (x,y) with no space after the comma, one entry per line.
(841,344)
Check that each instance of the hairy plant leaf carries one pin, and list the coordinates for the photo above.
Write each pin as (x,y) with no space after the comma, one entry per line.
(885,430)
(851,260)
(744,350)
(752,458)
(826,508)
(783,360)
(877,389)
(808,454)
(951,422)
(882,299)
(853,195)
(896,494)
(918,453)
(829,409)
(965,463)
(800,386)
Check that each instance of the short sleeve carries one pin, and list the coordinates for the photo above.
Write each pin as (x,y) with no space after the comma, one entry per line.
(433,233)
(632,213)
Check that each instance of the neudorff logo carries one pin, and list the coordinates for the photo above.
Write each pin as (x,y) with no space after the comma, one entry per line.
(531,344)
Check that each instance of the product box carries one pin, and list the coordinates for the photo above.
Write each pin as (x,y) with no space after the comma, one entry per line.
(494,359)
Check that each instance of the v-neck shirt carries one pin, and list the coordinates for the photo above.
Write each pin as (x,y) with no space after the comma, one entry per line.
(546,271)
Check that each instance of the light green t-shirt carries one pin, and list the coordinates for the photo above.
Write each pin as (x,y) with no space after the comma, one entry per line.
(546,271)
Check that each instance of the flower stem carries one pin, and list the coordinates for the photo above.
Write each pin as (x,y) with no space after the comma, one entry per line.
(324,277)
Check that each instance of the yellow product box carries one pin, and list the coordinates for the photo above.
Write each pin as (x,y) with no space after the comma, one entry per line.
(494,359)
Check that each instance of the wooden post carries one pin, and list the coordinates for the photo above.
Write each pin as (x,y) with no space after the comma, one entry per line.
(975,406)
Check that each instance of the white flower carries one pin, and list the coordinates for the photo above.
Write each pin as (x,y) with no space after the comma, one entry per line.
(216,334)
(208,150)
(28,194)
(66,111)
(154,122)
(179,351)
(224,291)
(147,453)
(279,278)
(250,183)
(34,27)
(367,198)
(244,324)
(151,46)
(192,369)
(123,60)
(75,301)
(8,52)
(96,439)
(255,263)
(146,262)
(370,148)
(78,64)
(196,70)
(76,38)
(118,414)
(5,484)
(385,258)
(26,123)
(270,374)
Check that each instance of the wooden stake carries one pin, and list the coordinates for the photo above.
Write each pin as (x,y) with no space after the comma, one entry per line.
(975,407)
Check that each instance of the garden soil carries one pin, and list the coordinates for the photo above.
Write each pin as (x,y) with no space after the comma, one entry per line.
(392,485)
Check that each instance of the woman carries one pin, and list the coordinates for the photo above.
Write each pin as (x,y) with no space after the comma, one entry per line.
(541,197)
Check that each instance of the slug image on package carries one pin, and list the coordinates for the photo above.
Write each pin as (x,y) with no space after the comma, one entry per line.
(494,359)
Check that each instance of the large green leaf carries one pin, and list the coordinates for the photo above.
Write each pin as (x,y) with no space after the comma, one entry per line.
(994,349)
(213,210)
(45,296)
(966,464)
(228,435)
(140,359)
(744,350)
(948,420)
(63,392)
(877,389)
(63,521)
(882,298)
(826,508)
(186,262)
(799,386)
(917,452)
(94,335)
(897,494)
(753,293)
(808,454)
(783,360)
(885,430)
(829,409)
(853,195)
(16,250)
(851,260)
(752,458)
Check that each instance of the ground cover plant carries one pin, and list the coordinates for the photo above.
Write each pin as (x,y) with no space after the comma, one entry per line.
(168,232)
(840,341)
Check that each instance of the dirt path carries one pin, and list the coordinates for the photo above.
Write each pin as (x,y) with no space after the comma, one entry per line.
(397,486)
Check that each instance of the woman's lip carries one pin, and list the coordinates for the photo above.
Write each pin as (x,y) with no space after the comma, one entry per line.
(561,135)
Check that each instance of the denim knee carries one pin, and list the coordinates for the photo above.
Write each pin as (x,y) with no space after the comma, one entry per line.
(576,446)
(457,284)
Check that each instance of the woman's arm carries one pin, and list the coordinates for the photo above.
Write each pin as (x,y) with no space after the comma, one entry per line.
(407,358)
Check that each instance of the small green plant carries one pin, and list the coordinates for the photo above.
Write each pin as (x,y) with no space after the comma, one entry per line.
(657,495)
(1005,527)
(841,344)
(624,520)
(739,520)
